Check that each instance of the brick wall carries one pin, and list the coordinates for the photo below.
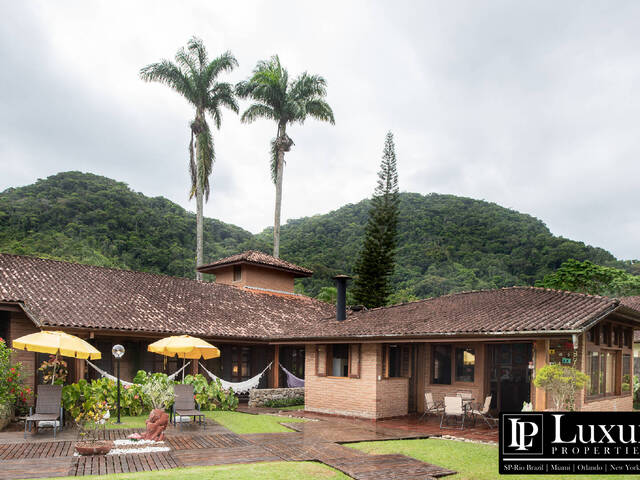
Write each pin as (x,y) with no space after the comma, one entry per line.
(21,325)
(253,276)
(346,396)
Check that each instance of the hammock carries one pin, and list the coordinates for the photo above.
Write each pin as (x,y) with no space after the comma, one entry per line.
(114,379)
(239,387)
(292,380)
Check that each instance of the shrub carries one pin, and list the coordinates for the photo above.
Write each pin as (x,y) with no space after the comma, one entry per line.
(57,365)
(284,402)
(75,396)
(12,390)
(562,383)
(211,396)
(158,391)
(90,417)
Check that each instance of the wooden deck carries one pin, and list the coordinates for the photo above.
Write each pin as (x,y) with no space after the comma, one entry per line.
(312,441)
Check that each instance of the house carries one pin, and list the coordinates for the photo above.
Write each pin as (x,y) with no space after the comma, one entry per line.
(369,363)
(107,306)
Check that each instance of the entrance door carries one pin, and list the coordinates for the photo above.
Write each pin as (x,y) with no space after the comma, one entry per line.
(509,375)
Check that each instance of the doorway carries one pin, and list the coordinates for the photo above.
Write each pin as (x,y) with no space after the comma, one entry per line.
(509,375)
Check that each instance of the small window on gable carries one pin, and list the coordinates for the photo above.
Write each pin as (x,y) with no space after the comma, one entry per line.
(237,273)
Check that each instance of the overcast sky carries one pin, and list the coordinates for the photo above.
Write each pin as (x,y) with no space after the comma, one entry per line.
(531,105)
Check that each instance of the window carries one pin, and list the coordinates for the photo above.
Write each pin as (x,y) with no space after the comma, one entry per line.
(605,335)
(601,369)
(240,363)
(465,364)
(396,361)
(626,374)
(237,273)
(321,360)
(441,365)
(338,360)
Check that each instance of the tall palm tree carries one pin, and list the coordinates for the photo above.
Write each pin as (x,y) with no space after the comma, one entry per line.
(194,76)
(276,98)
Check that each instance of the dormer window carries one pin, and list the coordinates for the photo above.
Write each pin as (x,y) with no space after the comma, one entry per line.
(237,273)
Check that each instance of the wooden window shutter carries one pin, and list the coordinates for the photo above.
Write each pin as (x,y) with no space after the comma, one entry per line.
(405,355)
(321,360)
(354,360)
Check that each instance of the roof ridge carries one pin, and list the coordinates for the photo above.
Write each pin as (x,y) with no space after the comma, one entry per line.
(484,290)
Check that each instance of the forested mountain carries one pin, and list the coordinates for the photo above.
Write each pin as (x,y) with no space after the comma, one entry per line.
(91,219)
(446,243)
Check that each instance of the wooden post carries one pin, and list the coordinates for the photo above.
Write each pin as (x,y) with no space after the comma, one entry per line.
(80,369)
(276,366)
(540,396)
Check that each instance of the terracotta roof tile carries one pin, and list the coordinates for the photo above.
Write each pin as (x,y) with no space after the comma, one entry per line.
(514,310)
(72,295)
(257,258)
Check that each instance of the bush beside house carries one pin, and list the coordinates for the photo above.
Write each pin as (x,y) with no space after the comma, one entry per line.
(13,393)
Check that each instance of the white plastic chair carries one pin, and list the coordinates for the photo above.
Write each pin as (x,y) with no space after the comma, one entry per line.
(453,408)
(431,406)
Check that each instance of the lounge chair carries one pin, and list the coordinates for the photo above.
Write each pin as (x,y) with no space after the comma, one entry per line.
(484,413)
(431,406)
(185,405)
(453,408)
(48,409)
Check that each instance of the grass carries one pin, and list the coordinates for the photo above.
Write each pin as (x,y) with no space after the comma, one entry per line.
(472,461)
(235,421)
(127,422)
(254,471)
(246,423)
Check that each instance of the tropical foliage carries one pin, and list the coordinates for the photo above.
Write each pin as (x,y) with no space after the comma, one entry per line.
(562,383)
(587,277)
(55,369)
(12,389)
(211,396)
(277,98)
(82,396)
(445,243)
(376,261)
(194,77)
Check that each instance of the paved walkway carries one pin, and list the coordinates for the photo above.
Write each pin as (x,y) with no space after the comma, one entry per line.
(310,441)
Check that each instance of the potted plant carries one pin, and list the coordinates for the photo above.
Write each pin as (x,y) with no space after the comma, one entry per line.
(92,417)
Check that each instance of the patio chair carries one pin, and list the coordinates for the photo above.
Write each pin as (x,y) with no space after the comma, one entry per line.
(465,394)
(484,413)
(453,408)
(185,405)
(431,406)
(48,409)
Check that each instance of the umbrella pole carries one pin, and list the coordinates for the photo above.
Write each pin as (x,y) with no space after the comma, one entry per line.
(55,364)
(184,359)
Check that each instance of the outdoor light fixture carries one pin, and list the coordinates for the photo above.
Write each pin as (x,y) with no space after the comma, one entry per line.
(118,353)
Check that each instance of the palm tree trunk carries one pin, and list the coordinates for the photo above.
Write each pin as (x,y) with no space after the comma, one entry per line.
(279,172)
(199,211)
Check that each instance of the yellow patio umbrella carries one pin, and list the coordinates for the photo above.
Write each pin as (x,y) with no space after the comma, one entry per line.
(184,346)
(57,343)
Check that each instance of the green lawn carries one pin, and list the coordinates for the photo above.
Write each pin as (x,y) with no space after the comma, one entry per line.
(254,471)
(127,422)
(235,421)
(246,423)
(473,461)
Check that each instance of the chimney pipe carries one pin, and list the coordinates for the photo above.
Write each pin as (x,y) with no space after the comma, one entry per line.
(341,307)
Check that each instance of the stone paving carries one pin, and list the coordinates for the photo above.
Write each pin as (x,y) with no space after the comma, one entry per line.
(318,440)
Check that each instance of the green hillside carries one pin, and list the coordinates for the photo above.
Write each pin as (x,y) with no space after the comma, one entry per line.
(91,219)
(446,243)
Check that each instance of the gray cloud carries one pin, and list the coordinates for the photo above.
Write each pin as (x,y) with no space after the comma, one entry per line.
(530,105)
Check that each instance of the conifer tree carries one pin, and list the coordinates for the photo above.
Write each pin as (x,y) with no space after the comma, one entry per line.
(375,264)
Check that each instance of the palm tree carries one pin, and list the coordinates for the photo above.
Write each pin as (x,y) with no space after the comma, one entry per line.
(194,77)
(276,98)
